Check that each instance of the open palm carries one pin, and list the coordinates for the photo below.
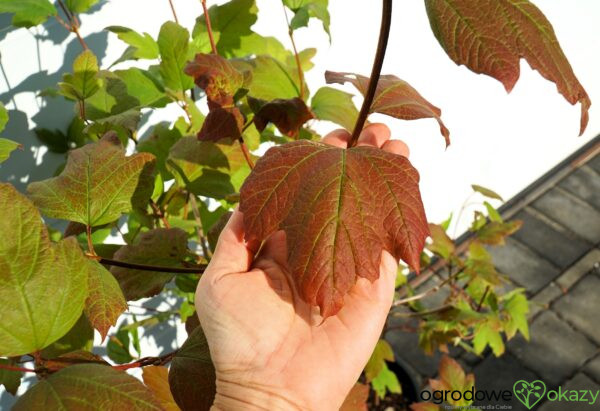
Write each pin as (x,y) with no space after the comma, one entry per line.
(271,350)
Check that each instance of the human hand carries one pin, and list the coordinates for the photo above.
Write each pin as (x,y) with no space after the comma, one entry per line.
(272,350)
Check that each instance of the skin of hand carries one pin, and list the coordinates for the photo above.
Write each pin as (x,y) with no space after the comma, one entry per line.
(270,349)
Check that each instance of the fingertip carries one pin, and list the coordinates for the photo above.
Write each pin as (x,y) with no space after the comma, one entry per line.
(374,135)
(337,138)
(397,147)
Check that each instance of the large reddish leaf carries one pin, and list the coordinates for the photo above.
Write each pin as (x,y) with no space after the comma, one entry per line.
(339,209)
(393,97)
(491,36)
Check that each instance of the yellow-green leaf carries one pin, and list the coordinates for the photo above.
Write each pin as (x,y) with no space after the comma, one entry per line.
(334,105)
(43,285)
(83,82)
(28,13)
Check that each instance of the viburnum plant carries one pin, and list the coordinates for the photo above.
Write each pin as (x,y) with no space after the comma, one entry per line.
(168,200)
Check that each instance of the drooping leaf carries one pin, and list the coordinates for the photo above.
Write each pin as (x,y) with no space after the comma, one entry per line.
(79,337)
(105,301)
(486,192)
(192,375)
(173,43)
(394,97)
(83,82)
(6,147)
(288,115)
(11,380)
(79,6)
(30,266)
(214,74)
(222,123)
(97,185)
(209,169)
(334,105)
(141,46)
(340,209)
(491,36)
(157,379)
(232,21)
(305,9)
(356,400)
(88,387)
(494,233)
(162,247)
(28,13)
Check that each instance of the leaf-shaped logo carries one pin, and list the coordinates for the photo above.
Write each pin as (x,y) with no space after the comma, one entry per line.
(529,393)
(340,209)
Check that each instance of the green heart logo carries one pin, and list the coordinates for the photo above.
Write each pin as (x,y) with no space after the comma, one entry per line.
(529,393)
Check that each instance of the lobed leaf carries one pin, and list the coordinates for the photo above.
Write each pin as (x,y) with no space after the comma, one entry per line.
(173,44)
(383,352)
(393,97)
(83,82)
(491,36)
(306,9)
(30,265)
(141,46)
(340,209)
(192,375)
(166,247)
(105,301)
(97,184)
(28,13)
(88,387)
(214,74)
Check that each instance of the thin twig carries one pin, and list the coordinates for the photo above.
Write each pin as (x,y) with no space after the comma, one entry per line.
(173,10)
(145,267)
(159,213)
(427,292)
(487,289)
(73,24)
(199,230)
(15,368)
(296,55)
(147,361)
(213,46)
(423,313)
(386,22)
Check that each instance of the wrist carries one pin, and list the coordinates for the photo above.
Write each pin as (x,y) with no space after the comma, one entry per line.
(232,396)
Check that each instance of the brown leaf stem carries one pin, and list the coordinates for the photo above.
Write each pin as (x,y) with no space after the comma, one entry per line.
(15,368)
(73,25)
(246,153)
(88,232)
(159,213)
(296,55)
(173,11)
(209,28)
(427,292)
(386,23)
(199,230)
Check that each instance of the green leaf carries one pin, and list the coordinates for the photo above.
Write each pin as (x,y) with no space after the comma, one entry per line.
(480,264)
(487,334)
(143,86)
(11,380)
(306,9)
(97,185)
(494,233)
(209,169)
(441,244)
(159,143)
(192,375)
(486,192)
(55,140)
(30,266)
(272,79)
(6,147)
(232,20)
(79,337)
(386,381)
(141,46)
(28,13)
(83,82)
(334,105)
(493,214)
(517,308)
(3,116)
(383,352)
(162,247)
(105,301)
(80,6)
(173,44)
(88,386)
(117,347)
